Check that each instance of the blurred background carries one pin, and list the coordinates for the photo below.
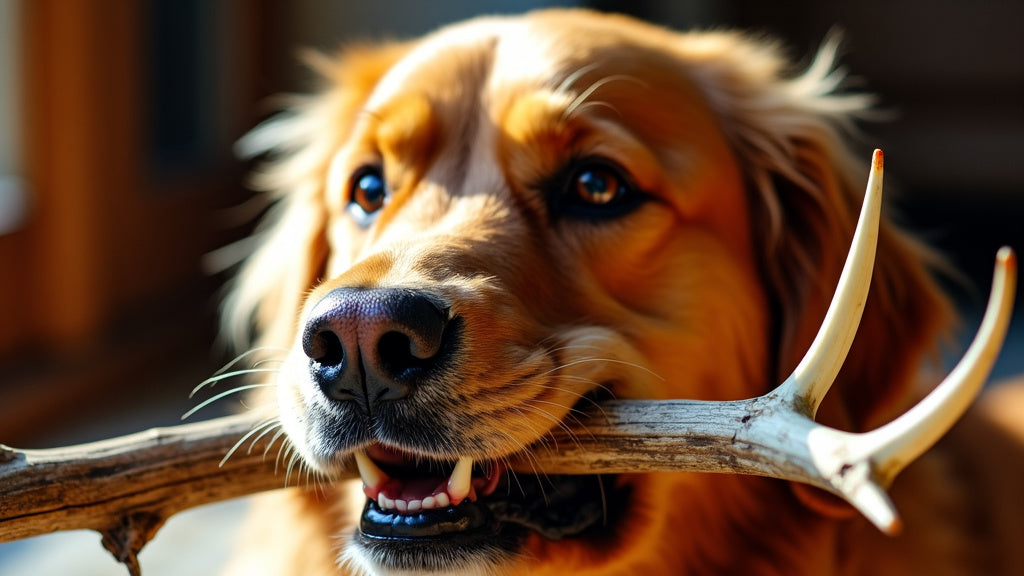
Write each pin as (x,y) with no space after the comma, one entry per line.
(117,181)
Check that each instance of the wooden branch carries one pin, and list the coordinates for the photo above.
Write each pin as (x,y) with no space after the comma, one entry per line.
(125,488)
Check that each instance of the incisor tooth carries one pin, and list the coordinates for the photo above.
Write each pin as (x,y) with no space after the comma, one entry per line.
(442,500)
(372,475)
(461,479)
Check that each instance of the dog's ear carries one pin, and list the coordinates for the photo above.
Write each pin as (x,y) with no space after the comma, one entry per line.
(806,192)
(291,244)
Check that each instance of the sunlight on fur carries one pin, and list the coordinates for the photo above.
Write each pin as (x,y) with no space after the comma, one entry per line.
(479,234)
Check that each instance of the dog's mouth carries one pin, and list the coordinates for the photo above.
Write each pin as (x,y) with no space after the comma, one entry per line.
(420,510)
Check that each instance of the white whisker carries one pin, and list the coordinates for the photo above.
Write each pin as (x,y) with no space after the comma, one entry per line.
(222,395)
(266,425)
(248,353)
(277,436)
(225,375)
(556,421)
(292,460)
(608,360)
(286,448)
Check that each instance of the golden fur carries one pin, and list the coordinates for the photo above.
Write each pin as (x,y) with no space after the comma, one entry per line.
(711,287)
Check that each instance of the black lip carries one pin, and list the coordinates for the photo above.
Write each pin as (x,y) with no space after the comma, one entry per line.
(442,522)
(490,529)
(437,540)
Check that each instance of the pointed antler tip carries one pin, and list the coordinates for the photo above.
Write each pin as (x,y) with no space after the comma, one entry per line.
(877,159)
(894,528)
(1006,256)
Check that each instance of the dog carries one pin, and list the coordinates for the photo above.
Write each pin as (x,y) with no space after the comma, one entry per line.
(480,234)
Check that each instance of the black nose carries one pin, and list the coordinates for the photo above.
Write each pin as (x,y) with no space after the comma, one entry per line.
(373,345)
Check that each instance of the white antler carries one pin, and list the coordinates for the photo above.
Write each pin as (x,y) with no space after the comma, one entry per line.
(775,435)
(819,367)
(859,466)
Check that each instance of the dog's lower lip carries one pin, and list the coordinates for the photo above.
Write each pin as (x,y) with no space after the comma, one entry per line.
(439,522)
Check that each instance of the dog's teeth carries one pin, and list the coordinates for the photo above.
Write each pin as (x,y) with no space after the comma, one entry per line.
(402,505)
(429,503)
(461,480)
(415,505)
(442,500)
(372,476)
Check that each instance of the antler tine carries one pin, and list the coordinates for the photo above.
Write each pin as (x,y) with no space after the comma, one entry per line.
(812,378)
(904,439)
(860,466)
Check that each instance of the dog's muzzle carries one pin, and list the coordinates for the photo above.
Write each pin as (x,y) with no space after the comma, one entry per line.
(371,353)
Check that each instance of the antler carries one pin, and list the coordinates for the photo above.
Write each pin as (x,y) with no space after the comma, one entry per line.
(125,487)
(775,435)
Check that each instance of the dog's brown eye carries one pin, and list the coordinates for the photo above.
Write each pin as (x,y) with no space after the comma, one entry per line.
(592,188)
(599,185)
(368,190)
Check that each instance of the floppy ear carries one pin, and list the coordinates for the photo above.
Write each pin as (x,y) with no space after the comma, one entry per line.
(807,189)
(291,242)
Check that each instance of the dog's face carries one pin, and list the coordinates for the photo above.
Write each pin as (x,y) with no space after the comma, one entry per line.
(490,230)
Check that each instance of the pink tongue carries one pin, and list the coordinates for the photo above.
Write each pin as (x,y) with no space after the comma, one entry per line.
(414,488)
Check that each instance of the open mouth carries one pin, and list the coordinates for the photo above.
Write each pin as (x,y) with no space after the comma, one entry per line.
(398,483)
(465,510)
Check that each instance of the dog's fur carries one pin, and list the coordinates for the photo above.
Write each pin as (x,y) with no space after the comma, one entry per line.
(709,286)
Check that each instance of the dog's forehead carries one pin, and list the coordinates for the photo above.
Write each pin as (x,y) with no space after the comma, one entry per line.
(494,53)
(431,59)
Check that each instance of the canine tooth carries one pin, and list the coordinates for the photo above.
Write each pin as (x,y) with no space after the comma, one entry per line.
(442,500)
(461,480)
(372,475)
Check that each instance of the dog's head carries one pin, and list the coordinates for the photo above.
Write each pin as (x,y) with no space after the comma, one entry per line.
(484,232)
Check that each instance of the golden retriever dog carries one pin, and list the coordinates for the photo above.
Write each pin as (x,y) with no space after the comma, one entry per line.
(482,233)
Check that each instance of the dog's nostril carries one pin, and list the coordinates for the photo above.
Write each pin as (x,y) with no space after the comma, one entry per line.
(325,347)
(397,353)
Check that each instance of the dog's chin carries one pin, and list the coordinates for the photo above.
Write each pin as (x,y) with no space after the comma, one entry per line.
(483,534)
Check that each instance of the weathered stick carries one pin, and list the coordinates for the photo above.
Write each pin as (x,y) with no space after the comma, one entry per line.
(125,488)
(148,476)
